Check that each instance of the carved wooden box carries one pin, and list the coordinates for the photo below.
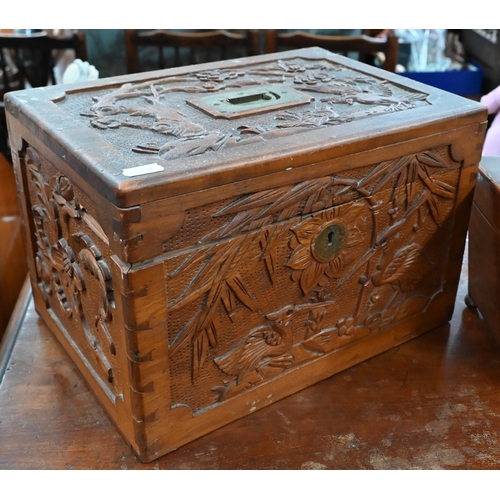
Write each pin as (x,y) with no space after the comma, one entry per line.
(206,240)
(484,245)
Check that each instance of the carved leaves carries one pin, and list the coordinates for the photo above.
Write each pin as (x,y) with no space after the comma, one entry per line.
(315,118)
(188,146)
(218,280)
(406,171)
(390,200)
(217,267)
(276,205)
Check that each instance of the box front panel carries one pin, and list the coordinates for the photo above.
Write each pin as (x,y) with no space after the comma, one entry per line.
(297,272)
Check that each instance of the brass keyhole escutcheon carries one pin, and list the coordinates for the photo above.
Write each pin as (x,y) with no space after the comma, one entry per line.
(329,242)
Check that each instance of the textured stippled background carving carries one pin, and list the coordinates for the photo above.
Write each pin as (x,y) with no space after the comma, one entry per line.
(152,118)
(253,300)
(72,259)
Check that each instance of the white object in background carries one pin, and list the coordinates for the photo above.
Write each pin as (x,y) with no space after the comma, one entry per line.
(79,71)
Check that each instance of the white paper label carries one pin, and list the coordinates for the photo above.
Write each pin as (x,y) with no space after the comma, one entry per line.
(142,170)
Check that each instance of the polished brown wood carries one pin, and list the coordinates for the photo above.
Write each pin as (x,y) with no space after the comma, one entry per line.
(365,46)
(13,267)
(484,247)
(202,45)
(205,241)
(432,403)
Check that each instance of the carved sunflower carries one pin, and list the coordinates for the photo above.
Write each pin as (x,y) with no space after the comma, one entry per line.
(321,245)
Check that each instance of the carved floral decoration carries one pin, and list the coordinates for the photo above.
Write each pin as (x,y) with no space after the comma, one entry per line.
(401,201)
(68,264)
(311,271)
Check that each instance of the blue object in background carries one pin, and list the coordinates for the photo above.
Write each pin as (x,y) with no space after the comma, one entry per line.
(465,82)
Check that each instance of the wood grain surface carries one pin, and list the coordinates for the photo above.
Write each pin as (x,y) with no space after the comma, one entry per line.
(432,403)
(484,248)
(13,267)
(188,319)
(328,235)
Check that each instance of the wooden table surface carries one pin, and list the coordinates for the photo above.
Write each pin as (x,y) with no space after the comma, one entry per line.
(432,403)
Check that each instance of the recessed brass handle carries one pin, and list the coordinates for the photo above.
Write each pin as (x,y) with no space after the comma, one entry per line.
(253,100)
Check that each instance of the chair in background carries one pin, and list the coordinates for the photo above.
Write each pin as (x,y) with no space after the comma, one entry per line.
(31,58)
(28,60)
(178,48)
(366,46)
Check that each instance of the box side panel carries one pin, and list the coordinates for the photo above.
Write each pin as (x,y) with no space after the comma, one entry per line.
(72,277)
(110,320)
(318,281)
(484,243)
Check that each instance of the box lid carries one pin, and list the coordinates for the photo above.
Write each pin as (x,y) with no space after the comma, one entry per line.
(149,136)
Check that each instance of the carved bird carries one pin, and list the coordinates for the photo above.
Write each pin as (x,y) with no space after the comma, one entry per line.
(402,269)
(265,345)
